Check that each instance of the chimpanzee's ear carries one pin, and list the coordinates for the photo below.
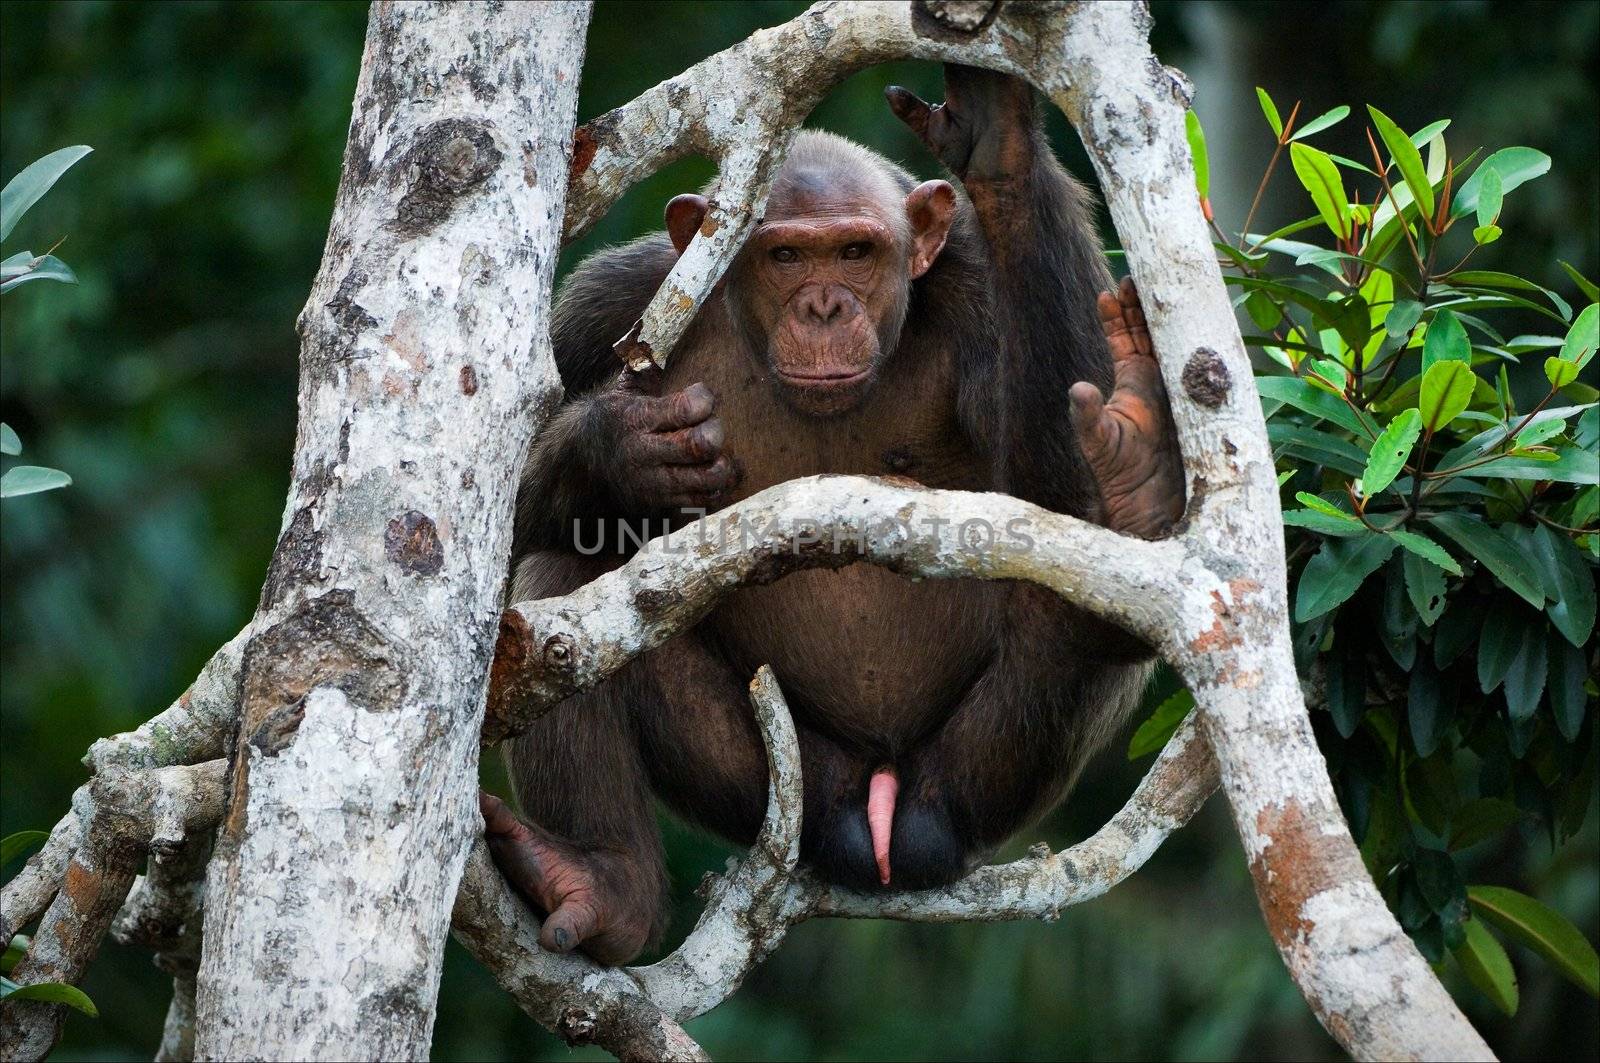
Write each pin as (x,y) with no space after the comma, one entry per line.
(684,215)
(930,208)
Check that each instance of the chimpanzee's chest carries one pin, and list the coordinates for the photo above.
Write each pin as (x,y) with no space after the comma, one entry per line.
(864,654)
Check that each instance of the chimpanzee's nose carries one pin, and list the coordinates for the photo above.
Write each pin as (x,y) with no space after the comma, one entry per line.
(823,304)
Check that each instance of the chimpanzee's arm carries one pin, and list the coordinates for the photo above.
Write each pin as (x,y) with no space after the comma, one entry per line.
(563,479)
(1046,268)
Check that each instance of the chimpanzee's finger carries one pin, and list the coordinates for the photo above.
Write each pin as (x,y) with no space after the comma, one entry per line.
(683,409)
(910,108)
(1133,315)
(1095,429)
(687,446)
(1119,339)
(689,485)
(497,815)
(646,381)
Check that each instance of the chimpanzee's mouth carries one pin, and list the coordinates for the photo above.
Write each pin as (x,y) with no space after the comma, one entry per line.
(824,381)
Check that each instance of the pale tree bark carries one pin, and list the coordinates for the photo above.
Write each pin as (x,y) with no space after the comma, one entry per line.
(350,707)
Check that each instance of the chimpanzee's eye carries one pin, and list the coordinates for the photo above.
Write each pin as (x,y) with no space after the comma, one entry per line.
(785,254)
(857,250)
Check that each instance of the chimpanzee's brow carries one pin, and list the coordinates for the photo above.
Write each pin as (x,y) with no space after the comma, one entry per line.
(841,229)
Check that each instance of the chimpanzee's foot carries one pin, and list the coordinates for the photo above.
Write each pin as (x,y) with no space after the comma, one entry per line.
(983,131)
(592,899)
(1129,440)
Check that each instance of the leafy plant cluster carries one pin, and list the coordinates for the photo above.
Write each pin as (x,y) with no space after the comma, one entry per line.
(1442,522)
(20,193)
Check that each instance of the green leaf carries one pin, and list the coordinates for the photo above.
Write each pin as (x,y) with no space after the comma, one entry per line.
(1336,571)
(50,993)
(1422,546)
(1489,196)
(1311,399)
(1568,702)
(14,953)
(1402,317)
(1539,431)
(1426,713)
(1486,234)
(1525,678)
(1407,158)
(1424,581)
(1321,178)
(24,190)
(1487,967)
(1446,390)
(1498,646)
(1583,337)
(1496,553)
(1542,929)
(1390,451)
(14,845)
(1446,340)
(1481,819)
(1322,524)
(1514,167)
(9,443)
(43,268)
(1270,109)
(1570,583)
(1560,372)
(1429,131)
(1311,445)
(1321,122)
(1311,501)
(1263,311)
(1589,289)
(28,479)
(1571,465)
(1197,149)
(1153,734)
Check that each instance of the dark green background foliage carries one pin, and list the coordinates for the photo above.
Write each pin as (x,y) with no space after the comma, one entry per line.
(165,384)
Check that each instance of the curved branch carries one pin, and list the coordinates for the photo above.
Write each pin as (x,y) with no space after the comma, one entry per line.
(552,648)
(749,909)
(1042,885)
(191,729)
(636,1011)
(124,816)
(30,890)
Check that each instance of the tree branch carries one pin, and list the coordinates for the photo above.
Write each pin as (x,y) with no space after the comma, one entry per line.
(552,648)
(124,816)
(635,1012)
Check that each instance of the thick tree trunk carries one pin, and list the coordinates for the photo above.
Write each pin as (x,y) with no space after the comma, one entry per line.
(425,369)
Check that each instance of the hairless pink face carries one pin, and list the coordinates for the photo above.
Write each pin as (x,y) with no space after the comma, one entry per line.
(827,283)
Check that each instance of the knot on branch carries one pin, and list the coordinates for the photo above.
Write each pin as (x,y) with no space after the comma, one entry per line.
(447,159)
(952,19)
(527,677)
(1206,379)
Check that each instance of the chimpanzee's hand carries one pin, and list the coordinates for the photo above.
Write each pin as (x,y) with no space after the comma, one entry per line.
(660,452)
(983,131)
(1130,441)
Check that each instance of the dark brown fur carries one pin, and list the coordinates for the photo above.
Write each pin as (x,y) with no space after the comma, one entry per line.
(985,697)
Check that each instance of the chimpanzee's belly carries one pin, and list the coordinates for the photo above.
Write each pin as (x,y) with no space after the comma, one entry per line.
(868,657)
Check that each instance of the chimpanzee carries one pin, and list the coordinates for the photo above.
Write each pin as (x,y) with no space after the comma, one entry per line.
(872,325)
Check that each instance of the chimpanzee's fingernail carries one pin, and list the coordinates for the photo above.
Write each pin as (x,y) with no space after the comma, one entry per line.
(561,939)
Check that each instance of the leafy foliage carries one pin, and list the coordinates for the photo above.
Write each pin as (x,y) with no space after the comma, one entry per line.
(20,193)
(1443,532)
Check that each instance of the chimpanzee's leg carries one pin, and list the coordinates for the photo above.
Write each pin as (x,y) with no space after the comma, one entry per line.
(591,856)
(1014,745)
(705,759)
